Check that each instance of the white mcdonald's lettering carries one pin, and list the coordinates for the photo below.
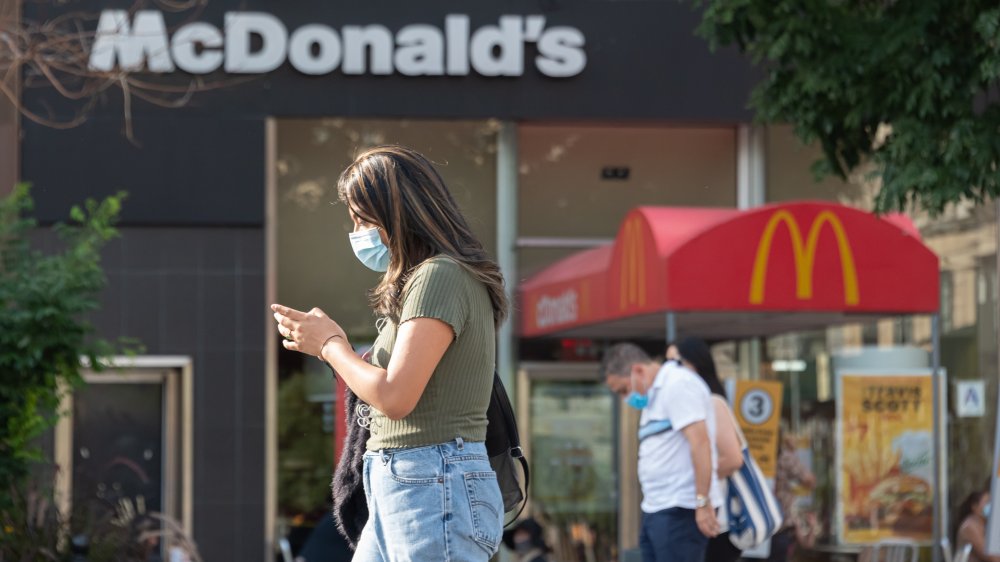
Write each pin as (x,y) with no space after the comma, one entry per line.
(560,309)
(633,266)
(141,41)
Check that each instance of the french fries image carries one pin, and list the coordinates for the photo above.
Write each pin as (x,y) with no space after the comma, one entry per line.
(867,462)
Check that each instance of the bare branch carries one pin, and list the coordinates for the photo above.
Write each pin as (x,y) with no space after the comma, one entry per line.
(53,123)
(56,54)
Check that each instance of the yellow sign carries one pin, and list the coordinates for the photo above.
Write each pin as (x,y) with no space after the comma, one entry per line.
(805,256)
(758,411)
(885,457)
(633,266)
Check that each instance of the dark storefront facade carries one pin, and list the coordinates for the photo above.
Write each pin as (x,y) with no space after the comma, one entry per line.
(549,120)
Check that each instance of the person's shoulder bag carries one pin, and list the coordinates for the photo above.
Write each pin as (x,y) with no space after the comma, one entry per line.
(754,513)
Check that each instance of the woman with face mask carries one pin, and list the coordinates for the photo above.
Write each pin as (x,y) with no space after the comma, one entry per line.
(695,354)
(972,517)
(430,490)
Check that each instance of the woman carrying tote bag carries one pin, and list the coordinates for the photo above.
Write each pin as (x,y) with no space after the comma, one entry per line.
(695,354)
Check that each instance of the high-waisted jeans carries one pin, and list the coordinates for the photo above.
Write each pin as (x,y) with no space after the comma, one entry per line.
(439,502)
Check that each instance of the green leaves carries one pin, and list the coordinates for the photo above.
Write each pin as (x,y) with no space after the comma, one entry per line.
(43,333)
(838,70)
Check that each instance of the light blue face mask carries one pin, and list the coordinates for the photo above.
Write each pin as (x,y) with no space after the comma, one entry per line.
(368,247)
(636,399)
(987,510)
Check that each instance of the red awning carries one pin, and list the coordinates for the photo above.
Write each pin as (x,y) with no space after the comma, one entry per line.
(730,273)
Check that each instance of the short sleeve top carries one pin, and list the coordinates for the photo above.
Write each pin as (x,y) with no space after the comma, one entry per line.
(457,395)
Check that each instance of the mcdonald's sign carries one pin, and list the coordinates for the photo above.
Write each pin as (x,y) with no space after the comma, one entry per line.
(633,266)
(804,254)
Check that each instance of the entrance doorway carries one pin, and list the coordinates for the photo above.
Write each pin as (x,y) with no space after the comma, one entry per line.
(123,449)
(572,445)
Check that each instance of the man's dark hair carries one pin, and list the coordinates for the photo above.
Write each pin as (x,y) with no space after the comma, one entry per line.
(619,358)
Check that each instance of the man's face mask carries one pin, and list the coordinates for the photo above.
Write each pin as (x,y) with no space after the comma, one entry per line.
(636,399)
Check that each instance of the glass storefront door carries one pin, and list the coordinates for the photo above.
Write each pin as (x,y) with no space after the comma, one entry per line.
(572,450)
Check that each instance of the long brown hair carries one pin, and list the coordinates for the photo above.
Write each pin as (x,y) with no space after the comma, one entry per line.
(965,509)
(398,190)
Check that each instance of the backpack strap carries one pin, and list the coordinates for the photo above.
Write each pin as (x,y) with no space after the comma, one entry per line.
(510,422)
(527,479)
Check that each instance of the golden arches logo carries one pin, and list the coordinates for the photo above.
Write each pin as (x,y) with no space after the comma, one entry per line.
(633,266)
(805,256)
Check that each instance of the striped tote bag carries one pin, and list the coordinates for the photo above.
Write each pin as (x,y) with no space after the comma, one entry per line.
(754,512)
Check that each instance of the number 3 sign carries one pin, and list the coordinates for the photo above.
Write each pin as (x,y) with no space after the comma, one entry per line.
(758,410)
(756,406)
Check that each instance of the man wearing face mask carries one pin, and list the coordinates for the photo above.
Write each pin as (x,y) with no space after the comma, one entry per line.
(677,457)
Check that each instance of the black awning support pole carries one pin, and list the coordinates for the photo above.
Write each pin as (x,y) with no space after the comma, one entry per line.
(671,328)
(939,382)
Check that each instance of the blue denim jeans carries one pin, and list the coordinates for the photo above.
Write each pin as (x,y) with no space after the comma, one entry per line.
(439,502)
(672,535)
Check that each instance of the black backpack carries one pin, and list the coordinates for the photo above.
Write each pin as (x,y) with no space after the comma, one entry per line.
(503,445)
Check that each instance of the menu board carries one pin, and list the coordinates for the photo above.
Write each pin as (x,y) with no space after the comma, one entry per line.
(885,456)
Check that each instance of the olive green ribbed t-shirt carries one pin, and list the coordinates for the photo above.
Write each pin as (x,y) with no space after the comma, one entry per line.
(456,397)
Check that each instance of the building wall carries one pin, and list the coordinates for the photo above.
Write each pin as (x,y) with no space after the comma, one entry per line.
(200,292)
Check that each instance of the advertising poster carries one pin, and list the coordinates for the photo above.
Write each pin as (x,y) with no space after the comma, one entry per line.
(758,411)
(885,457)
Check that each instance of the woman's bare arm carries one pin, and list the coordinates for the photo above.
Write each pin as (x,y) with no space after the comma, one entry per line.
(727,441)
(394,391)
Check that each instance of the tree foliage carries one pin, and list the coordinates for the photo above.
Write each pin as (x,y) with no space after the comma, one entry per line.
(910,87)
(43,332)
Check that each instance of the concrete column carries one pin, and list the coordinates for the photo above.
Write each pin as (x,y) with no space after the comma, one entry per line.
(506,246)
(750,166)
(751,191)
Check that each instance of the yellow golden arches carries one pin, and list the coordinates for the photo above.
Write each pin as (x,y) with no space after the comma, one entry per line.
(633,266)
(805,256)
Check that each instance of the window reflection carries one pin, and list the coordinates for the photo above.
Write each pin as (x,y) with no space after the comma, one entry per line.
(574,469)
(118,459)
